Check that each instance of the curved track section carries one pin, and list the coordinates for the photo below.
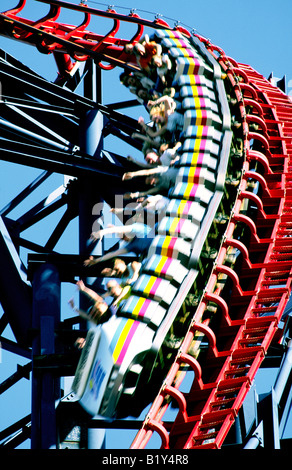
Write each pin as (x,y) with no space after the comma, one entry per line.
(216,279)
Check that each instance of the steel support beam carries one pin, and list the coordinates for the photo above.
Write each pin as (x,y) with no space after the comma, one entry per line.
(92,82)
(25,193)
(269,414)
(284,373)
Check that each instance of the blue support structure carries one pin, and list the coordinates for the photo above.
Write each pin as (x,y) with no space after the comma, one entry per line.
(91,143)
(45,385)
(13,279)
(81,122)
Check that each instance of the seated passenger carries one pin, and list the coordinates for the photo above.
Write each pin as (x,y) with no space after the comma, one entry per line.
(167,101)
(164,68)
(163,171)
(143,96)
(154,203)
(148,142)
(101,311)
(140,85)
(136,80)
(236,150)
(167,155)
(152,207)
(159,113)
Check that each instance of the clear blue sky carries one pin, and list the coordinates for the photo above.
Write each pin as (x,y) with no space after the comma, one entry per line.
(255,32)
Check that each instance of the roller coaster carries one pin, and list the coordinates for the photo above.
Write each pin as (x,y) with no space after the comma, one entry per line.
(211,303)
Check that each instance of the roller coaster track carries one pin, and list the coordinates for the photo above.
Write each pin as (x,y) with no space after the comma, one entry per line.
(246,296)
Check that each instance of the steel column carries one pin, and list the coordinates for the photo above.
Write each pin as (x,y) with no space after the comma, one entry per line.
(256,439)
